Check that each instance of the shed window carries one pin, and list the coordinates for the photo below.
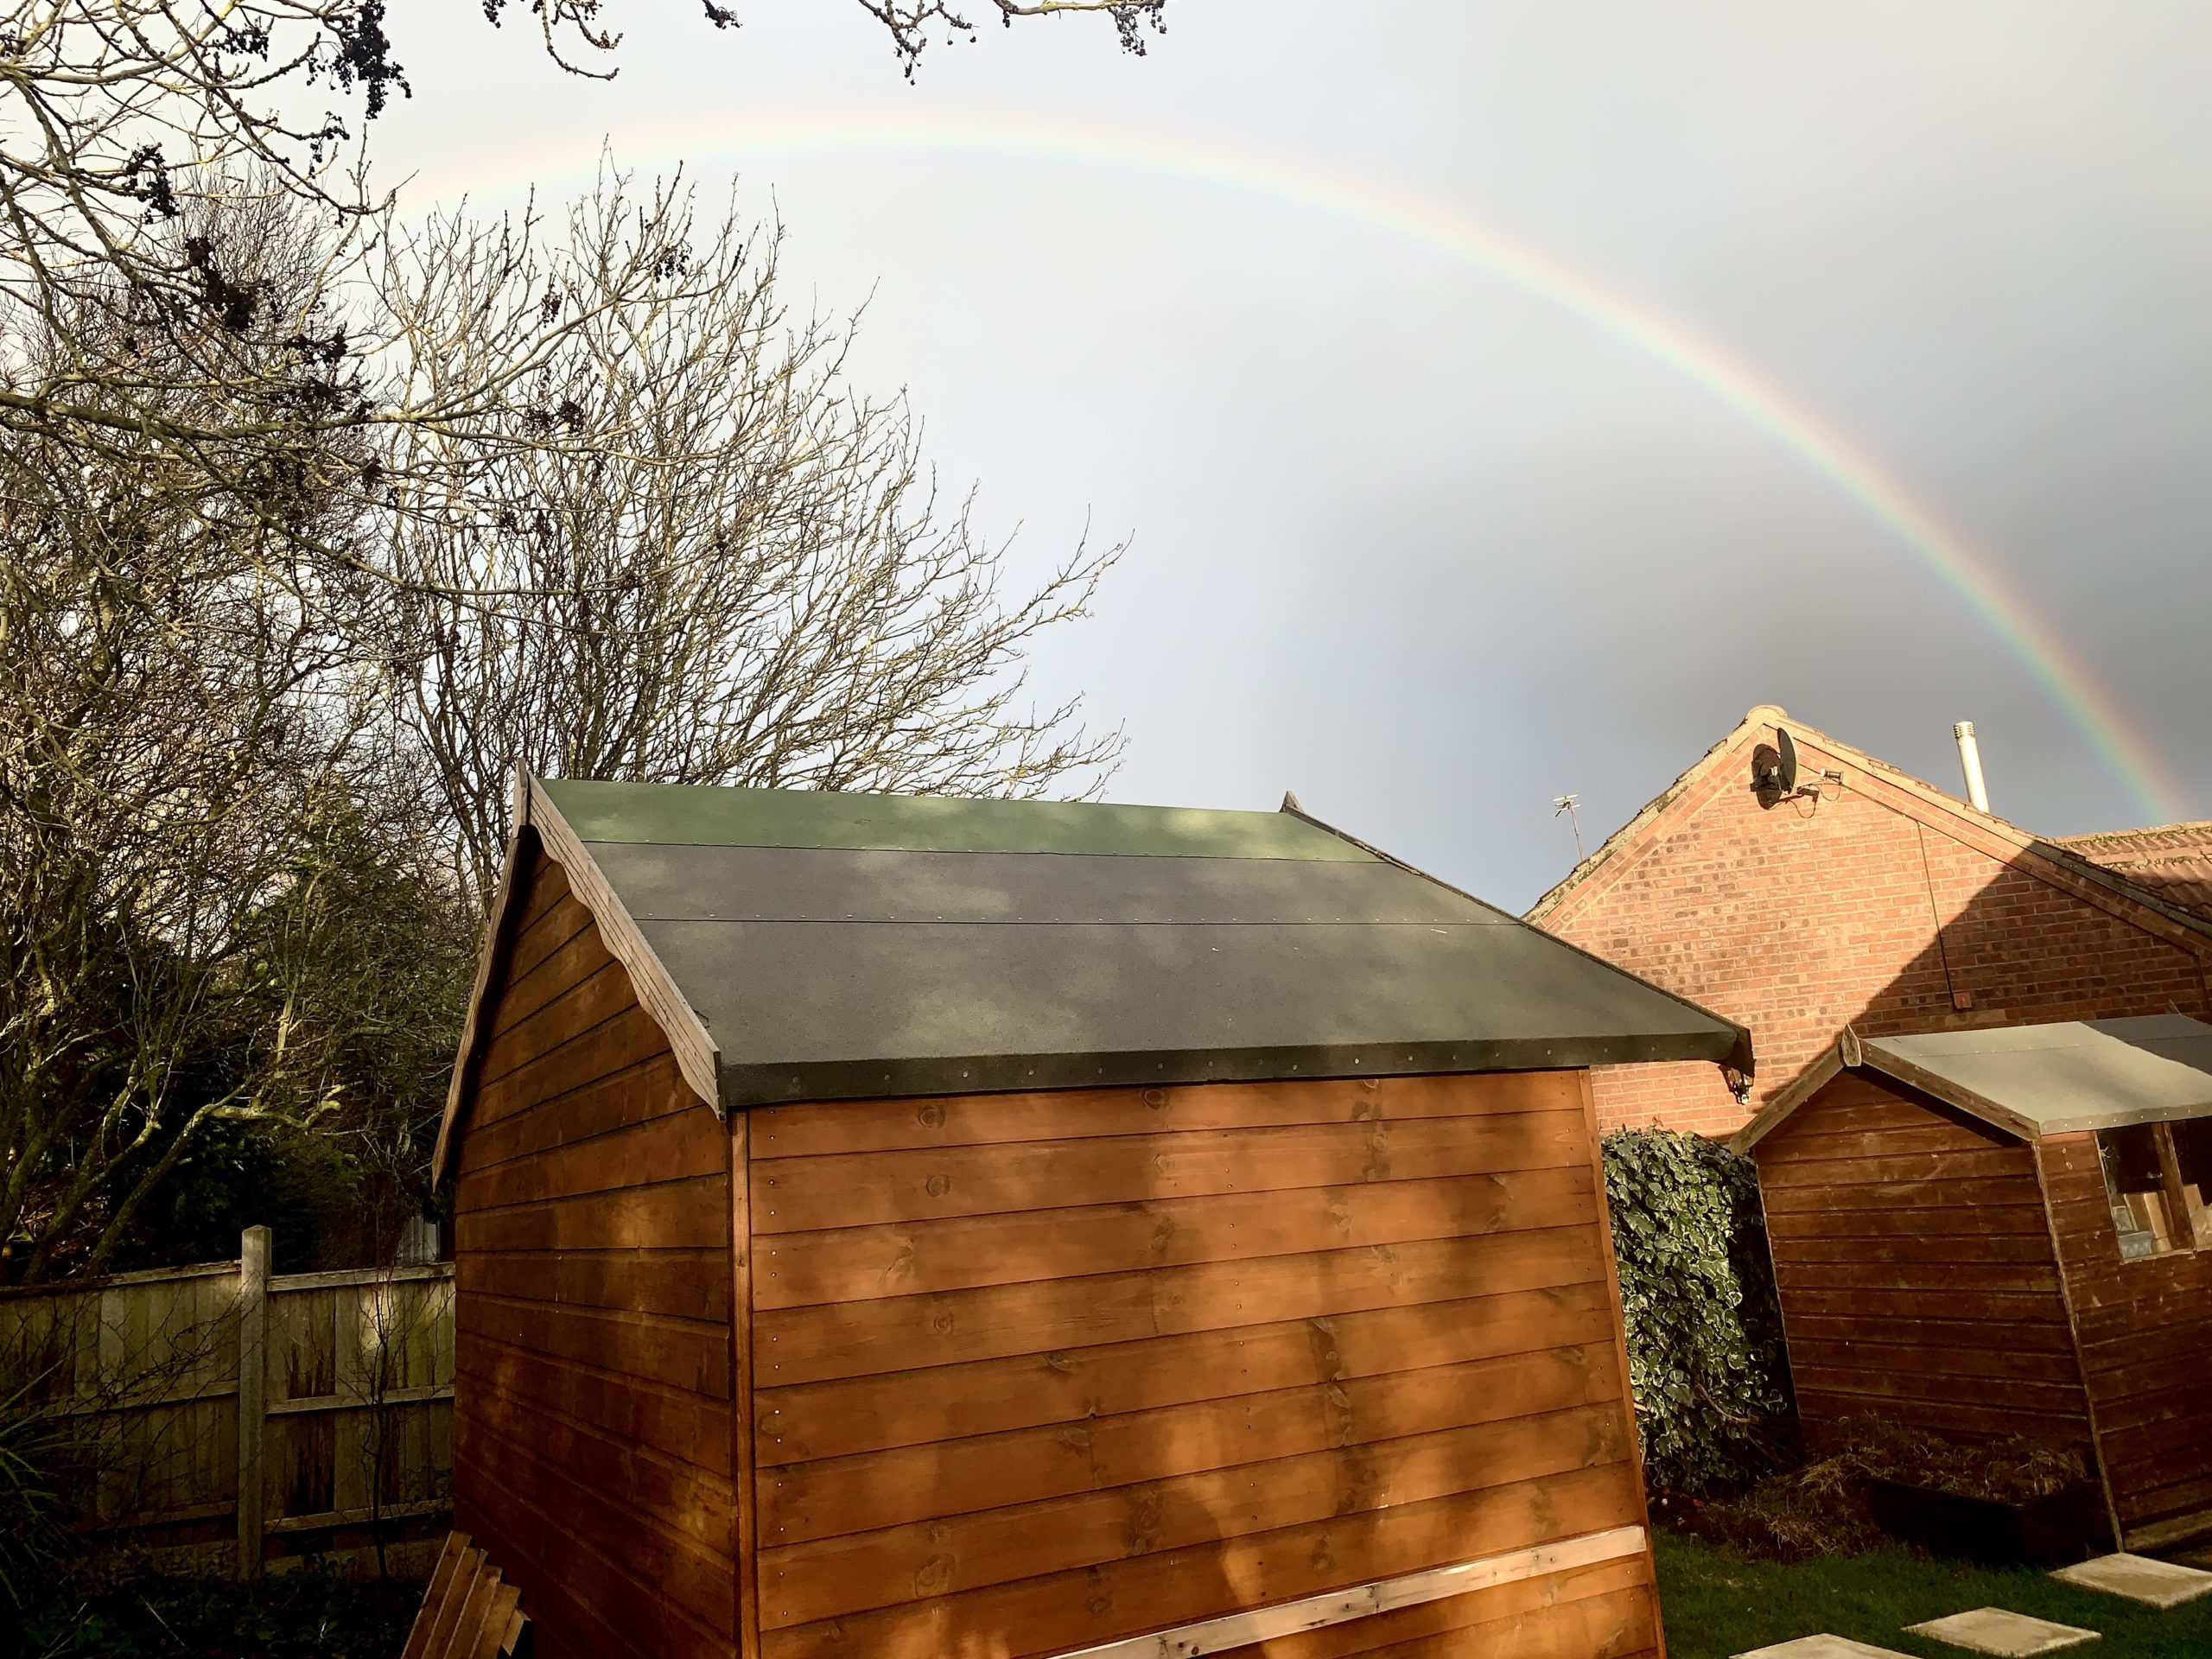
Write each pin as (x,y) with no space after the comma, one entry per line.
(2135,1180)
(2193,1156)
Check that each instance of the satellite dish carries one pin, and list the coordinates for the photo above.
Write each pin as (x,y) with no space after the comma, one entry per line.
(1785,770)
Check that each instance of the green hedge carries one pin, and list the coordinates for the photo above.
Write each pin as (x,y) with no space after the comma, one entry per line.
(1706,1355)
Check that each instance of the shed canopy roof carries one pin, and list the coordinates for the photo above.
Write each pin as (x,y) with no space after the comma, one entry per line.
(838,945)
(2035,1080)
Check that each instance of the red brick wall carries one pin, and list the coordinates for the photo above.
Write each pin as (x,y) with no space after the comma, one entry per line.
(1870,906)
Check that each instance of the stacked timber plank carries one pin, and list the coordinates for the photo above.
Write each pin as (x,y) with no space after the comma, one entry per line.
(469,1611)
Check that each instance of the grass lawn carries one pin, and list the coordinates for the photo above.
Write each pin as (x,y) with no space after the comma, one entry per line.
(1717,1603)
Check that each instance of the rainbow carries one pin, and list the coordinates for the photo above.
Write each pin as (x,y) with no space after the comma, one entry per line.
(1972,575)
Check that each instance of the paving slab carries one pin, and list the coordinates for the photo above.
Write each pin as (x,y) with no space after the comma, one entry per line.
(2008,1635)
(1823,1646)
(2140,1578)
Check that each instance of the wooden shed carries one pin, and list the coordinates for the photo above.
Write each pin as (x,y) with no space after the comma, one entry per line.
(2005,1231)
(919,1228)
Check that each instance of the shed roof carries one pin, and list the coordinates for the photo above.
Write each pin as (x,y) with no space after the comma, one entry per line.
(2033,1080)
(808,945)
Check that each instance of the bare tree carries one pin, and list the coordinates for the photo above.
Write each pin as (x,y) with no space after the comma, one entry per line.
(753,580)
(121,116)
(186,741)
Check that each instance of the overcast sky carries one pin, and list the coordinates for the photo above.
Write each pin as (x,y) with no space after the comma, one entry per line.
(1345,313)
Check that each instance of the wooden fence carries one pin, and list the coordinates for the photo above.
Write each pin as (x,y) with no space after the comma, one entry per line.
(221,1409)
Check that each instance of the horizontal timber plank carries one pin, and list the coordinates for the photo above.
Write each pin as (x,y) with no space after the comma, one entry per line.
(1970,1196)
(1875,1252)
(1841,1113)
(2149,1505)
(2018,1338)
(793,1194)
(1981,1220)
(692,1284)
(1065,1610)
(2175,1448)
(562,951)
(616,1607)
(674,1495)
(2014,1163)
(921,1482)
(682,1354)
(1963,1365)
(579,1008)
(2063,1398)
(2025,1307)
(667,1147)
(819,1128)
(906,1334)
(674,1421)
(2115,1335)
(1930,1136)
(862,1264)
(614,1045)
(892,1410)
(682,1215)
(664,1564)
(833,1577)
(2138,1392)
(1515,1619)
(1952,1416)
(548,927)
(1923,1274)
(576,1605)
(545,886)
(641,1092)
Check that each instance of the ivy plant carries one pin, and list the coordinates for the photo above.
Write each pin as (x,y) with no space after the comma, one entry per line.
(1706,1355)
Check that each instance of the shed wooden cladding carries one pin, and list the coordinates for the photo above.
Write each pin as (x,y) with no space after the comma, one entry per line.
(1949,1255)
(1277,1364)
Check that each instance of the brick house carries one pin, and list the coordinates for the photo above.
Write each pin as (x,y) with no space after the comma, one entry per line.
(1880,902)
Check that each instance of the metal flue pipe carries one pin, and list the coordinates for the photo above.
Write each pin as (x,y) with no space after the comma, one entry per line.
(1970,763)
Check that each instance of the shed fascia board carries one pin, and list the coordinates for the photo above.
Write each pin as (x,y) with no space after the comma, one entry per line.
(697,1055)
(771,1084)
(535,816)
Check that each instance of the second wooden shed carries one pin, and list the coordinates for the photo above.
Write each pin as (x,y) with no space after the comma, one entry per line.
(951,1230)
(2005,1231)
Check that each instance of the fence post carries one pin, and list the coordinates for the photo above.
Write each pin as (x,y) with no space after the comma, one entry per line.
(253,1393)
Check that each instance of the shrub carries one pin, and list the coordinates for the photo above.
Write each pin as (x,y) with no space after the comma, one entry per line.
(1706,1356)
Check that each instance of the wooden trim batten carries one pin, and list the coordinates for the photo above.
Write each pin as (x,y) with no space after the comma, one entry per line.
(697,1055)
(1386,1595)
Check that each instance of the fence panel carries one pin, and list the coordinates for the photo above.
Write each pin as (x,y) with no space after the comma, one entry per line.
(345,1424)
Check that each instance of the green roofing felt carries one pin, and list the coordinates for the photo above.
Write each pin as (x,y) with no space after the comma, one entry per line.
(675,815)
(841,945)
